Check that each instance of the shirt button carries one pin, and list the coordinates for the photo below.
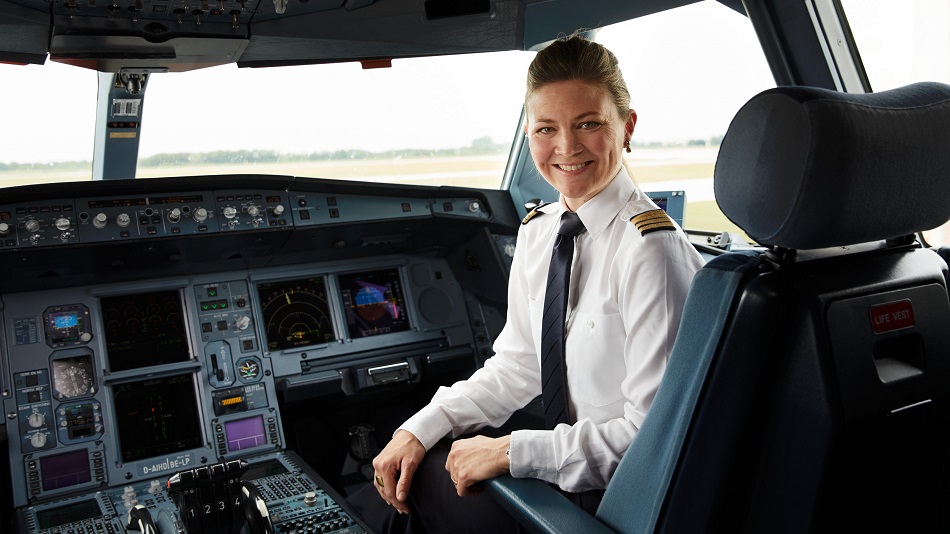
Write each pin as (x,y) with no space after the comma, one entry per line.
(590,323)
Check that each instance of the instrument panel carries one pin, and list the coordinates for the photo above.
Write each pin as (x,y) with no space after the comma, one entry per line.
(150,330)
(132,381)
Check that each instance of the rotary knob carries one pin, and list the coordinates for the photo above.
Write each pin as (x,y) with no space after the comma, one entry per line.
(278,209)
(174,215)
(62,224)
(38,440)
(36,420)
(100,220)
(242,322)
(201,215)
(253,211)
(4,229)
(122,220)
(230,212)
(32,225)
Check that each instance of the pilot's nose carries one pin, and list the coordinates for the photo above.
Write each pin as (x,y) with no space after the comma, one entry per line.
(566,142)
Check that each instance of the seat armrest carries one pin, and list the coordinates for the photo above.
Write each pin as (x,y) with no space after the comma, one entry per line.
(541,509)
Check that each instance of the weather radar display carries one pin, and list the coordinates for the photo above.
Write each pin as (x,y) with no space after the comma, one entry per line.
(296,313)
(373,302)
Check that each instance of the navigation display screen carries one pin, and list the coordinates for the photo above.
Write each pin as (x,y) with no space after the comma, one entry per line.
(373,302)
(144,329)
(245,433)
(157,417)
(65,470)
(296,313)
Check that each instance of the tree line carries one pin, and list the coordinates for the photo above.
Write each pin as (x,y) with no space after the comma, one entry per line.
(479,147)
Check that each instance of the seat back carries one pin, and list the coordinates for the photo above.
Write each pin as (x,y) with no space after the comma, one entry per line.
(808,386)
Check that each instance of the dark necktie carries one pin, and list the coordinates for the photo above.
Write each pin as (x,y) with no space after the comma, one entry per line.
(553,366)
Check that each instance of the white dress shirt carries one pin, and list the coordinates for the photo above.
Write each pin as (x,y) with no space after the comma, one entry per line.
(626,298)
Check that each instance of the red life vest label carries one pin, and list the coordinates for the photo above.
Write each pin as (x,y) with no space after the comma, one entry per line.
(892,316)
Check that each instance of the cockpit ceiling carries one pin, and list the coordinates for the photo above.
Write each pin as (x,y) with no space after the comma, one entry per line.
(178,35)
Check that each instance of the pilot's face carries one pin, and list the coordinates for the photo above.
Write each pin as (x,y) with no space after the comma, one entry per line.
(576,136)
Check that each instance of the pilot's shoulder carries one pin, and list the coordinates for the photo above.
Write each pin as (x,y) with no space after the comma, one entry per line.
(649,219)
(536,211)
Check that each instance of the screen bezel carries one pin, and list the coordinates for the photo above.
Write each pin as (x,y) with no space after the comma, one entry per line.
(129,454)
(113,358)
(71,458)
(392,271)
(227,435)
(331,311)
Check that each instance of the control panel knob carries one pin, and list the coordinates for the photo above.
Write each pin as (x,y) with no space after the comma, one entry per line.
(4,229)
(100,220)
(62,224)
(230,212)
(174,215)
(201,215)
(32,225)
(310,498)
(474,206)
(278,209)
(123,219)
(36,419)
(38,440)
(242,322)
(85,337)
(253,211)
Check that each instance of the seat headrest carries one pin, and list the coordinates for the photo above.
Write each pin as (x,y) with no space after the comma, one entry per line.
(806,168)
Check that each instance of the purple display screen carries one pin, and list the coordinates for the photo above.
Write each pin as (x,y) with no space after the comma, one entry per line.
(65,470)
(245,433)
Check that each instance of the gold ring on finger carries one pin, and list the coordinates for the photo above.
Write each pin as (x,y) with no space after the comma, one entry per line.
(379,480)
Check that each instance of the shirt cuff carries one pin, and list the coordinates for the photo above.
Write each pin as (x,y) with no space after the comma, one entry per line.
(429,425)
(532,455)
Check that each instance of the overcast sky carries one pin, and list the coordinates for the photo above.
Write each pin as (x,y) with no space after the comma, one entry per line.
(688,70)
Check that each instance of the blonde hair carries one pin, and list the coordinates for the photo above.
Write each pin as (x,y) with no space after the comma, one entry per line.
(575,58)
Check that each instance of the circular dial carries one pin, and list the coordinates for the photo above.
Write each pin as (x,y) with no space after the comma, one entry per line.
(296,313)
(73,377)
(248,370)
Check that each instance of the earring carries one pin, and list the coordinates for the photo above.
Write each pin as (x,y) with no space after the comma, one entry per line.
(626,146)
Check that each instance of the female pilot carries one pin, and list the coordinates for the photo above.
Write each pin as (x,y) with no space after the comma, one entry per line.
(625,286)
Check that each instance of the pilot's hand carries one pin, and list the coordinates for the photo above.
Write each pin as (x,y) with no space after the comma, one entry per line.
(395,466)
(476,459)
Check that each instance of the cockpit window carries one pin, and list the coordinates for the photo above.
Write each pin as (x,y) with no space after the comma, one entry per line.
(48,123)
(689,71)
(427,121)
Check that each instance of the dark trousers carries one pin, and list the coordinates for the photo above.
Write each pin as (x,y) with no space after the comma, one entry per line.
(436,507)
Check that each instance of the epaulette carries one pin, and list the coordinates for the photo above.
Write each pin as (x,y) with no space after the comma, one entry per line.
(652,221)
(533,212)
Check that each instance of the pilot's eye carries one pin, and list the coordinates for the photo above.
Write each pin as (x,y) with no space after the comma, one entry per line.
(589,125)
(545,130)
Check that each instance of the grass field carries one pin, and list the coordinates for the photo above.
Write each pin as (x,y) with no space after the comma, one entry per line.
(651,167)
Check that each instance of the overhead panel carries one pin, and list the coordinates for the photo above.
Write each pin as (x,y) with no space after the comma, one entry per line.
(23,32)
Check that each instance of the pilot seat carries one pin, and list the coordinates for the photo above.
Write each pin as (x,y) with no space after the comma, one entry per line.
(807,390)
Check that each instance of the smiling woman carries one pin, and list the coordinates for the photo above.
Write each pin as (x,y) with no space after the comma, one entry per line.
(577,153)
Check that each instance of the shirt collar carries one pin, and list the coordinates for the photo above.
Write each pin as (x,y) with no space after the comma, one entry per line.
(598,212)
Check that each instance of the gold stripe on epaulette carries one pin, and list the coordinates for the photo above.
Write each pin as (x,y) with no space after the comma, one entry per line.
(652,221)
(531,214)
